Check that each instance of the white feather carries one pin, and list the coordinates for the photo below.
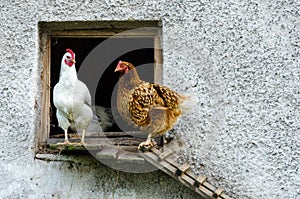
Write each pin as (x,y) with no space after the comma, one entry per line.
(72,99)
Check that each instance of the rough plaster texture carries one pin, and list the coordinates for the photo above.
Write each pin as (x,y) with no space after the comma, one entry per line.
(241,59)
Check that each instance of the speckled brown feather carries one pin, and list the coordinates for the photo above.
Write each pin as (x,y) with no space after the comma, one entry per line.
(152,107)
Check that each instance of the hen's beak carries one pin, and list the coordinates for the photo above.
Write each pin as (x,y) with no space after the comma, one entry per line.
(118,68)
(73,60)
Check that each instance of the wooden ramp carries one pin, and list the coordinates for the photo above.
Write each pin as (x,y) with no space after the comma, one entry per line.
(165,162)
(121,149)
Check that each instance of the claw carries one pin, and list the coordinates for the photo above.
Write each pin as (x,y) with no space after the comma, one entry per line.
(147,145)
(66,142)
(70,143)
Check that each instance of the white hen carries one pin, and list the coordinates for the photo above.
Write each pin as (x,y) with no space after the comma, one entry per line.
(72,99)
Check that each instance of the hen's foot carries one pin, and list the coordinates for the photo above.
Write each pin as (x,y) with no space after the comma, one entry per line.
(70,143)
(147,145)
(77,143)
(66,142)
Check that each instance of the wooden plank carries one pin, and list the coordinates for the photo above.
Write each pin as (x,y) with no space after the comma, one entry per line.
(129,157)
(91,147)
(209,186)
(158,59)
(54,148)
(186,180)
(145,32)
(103,34)
(69,147)
(200,180)
(155,151)
(128,148)
(218,192)
(172,162)
(182,169)
(205,184)
(128,141)
(153,159)
(43,132)
(74,147)
(137,134)
(224,196)
(165,154)
(204,191)
(107,153)
(99,25)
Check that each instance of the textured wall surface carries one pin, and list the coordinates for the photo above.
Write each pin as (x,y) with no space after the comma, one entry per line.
(240,58)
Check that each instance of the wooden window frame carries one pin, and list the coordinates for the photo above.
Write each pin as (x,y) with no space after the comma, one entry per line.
(85,29)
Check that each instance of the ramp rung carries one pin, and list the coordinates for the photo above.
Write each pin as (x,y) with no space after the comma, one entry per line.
(200,180)
(218,192)
(182,169)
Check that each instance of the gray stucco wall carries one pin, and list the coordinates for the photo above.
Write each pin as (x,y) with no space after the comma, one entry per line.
(241,59)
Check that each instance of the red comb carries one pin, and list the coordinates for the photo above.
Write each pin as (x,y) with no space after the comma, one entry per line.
(72,53)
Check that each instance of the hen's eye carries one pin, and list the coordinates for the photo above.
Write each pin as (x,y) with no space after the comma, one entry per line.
(68,57)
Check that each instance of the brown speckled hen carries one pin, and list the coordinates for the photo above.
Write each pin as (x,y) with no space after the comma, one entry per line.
(151,107)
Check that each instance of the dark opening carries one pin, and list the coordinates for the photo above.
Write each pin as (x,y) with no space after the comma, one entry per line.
(82,47)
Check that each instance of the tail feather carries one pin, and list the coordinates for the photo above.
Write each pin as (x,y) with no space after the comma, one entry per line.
(189,101)
(106,117)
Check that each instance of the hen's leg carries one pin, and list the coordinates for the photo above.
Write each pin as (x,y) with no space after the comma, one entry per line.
(66,136)
(82,136)
(66,139)
(63,123)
